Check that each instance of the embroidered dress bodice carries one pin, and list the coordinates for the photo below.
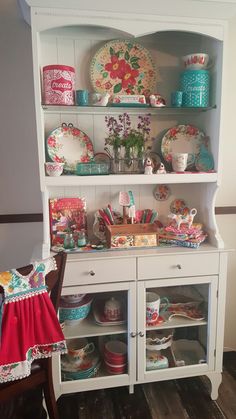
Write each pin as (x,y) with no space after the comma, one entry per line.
(30,329)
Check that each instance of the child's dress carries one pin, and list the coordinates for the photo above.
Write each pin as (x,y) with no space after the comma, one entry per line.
(30,328)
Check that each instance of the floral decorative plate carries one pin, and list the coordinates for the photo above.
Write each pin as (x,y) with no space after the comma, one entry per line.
(123,67)
(182,139)
(161,192)
(69,145)
(179,206)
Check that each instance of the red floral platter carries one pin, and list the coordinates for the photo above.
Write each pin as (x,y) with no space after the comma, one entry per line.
(123,67)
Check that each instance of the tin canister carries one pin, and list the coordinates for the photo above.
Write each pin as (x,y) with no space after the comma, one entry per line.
(58,85)
(195,85)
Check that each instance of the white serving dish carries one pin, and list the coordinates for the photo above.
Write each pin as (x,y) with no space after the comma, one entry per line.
(129,99)
(187,352)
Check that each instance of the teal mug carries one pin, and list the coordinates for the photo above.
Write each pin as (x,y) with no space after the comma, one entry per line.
(82,97)
(176,98)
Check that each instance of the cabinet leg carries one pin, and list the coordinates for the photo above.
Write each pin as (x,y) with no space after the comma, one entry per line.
(215,379)
(131,389)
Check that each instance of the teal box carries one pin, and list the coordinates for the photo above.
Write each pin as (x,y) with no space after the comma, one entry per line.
(92,168)
(195,85)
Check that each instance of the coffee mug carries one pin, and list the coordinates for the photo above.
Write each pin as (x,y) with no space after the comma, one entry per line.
(179,161)
(82,97)
(176,98)
(153,302)
(78,348)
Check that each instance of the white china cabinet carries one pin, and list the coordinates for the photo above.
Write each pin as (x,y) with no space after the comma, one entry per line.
(69,34)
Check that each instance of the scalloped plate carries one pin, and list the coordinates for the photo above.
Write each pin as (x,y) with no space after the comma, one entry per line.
(182,139)
(69,145)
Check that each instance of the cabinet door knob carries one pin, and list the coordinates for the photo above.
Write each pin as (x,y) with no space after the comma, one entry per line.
(92,273)
(141,334)
(179,266)
(133,334)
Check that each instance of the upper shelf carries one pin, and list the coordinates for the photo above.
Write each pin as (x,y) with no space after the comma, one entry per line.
(131,179)
(102,110)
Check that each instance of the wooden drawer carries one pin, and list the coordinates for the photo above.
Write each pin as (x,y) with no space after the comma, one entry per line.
(100,271)
(171,266)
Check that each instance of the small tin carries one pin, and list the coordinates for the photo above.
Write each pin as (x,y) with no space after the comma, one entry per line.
(58,85)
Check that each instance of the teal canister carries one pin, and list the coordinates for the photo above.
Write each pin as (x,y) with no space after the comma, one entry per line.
(195,85)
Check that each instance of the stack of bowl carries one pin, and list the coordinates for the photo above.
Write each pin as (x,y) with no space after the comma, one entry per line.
(74,308)
(115,357)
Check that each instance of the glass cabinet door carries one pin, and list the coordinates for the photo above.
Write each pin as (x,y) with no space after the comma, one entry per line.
(96,322)
(177,322)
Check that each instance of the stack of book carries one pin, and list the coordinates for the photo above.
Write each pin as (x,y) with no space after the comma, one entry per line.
(184,236)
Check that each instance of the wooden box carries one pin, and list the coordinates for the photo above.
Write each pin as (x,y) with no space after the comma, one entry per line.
(132,235)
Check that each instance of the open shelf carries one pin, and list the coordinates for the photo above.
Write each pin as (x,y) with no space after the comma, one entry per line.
(131,179)
(88,328)
(102,110)
(177,322)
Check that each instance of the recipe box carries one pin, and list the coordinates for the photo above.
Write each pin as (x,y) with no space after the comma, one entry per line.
(132,235)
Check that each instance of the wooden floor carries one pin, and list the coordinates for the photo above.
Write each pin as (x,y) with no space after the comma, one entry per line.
(176,399)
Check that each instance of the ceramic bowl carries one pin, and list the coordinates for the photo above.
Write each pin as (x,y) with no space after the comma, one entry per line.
(74,298)
(54,168)
(115,369)
(115,352)
(75,312)
(196,61)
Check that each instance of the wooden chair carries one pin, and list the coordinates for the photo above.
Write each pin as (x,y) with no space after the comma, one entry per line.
(41,370)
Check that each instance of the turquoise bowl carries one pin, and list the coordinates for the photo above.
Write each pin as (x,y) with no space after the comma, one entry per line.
(75,312)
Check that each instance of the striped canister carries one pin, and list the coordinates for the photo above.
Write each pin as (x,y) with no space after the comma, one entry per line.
(195,85)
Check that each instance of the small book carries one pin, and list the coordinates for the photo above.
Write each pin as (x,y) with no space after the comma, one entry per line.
(67,215)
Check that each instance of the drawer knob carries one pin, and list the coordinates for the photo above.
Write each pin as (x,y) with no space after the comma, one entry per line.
(92,273)
(141,334)
(179,266)
(133,334)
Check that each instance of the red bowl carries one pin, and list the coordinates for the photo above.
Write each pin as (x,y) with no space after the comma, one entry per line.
(115,359)
(115,348)
(115,369)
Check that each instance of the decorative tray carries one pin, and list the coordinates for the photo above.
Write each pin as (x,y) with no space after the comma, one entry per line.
(188,310)
(187,352)
(130,105)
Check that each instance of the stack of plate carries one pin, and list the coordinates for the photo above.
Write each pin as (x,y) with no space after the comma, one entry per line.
(87,369)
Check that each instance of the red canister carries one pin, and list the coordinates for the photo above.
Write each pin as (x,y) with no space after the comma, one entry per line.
(58,85)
